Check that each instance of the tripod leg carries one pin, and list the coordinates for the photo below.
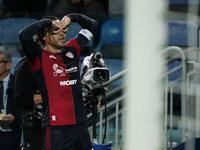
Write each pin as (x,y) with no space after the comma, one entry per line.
(94,114)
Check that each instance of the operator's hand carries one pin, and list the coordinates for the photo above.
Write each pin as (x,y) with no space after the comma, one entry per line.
(37,98)
(66,21)
(99,104)
(8,118)
(89,105)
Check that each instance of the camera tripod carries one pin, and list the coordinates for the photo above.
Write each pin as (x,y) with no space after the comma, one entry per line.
(97,92)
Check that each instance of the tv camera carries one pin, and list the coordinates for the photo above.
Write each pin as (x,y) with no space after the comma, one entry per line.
(94,75)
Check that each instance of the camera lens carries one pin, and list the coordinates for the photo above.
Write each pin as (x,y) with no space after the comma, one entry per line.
(101,75)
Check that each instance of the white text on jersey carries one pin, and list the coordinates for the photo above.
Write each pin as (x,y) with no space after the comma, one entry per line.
(68,82)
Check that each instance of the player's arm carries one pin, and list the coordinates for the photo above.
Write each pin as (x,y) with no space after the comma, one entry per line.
(28,45)
(89,27)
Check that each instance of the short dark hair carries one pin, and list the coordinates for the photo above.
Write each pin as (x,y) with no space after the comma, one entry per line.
(40,35)
(7,56)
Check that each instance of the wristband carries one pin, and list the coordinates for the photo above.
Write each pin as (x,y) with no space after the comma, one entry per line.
(86,33)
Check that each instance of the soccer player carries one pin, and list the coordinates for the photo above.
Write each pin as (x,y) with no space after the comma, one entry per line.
(55,64)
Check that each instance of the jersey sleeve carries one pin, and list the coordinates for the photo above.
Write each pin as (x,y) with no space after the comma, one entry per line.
(89,27)
(28,45)
(84,21)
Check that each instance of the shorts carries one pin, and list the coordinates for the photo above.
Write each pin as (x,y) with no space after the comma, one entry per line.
(66,137)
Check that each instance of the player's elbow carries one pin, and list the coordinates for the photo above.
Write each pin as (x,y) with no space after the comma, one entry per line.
(22,35)
(95,26)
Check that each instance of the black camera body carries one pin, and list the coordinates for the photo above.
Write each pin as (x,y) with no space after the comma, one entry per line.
(32,118)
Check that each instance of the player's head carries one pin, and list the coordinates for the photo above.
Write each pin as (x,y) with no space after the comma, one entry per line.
(54,35)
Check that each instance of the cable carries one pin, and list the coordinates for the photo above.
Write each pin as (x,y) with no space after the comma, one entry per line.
(104,98)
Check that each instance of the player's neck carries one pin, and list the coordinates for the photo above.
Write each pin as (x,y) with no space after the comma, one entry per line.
(51,49)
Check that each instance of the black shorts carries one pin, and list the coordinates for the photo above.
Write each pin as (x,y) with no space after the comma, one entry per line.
(67,137)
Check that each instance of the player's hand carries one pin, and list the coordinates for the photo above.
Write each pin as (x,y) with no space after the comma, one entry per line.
(66,21)
(55,27)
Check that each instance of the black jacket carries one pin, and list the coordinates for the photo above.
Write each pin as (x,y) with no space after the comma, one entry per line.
(25,85)
(13,109)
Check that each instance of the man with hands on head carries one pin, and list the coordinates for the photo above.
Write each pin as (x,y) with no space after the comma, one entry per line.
(55,64)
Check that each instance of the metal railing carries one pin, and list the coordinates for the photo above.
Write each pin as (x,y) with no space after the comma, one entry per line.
(168,88)
(188,122)
(115,133)
(189,81)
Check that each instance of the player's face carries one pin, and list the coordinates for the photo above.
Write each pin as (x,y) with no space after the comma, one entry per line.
(55,35)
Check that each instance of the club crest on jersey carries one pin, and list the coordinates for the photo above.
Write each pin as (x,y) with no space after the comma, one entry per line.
(69,54)
(58,70)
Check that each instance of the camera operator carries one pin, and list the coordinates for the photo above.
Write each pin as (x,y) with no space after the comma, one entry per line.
(29,100)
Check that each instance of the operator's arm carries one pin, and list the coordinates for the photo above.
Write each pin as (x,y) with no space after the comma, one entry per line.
(29,46)
(86,23)
(37,98)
